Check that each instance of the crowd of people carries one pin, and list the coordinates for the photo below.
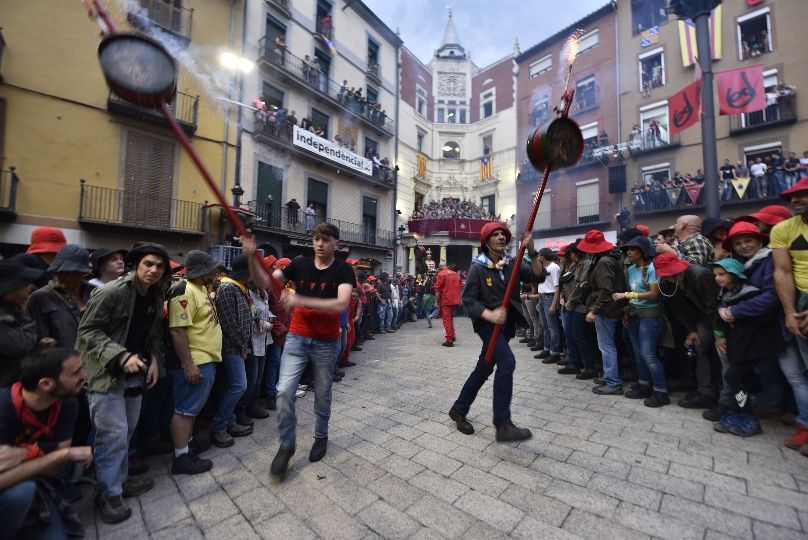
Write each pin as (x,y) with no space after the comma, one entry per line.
(451,209)
(760,178)
(715,309)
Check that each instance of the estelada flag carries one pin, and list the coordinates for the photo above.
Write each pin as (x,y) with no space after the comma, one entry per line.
(741,90)
(685,107)
(693,191)
(740,185)
(486,168)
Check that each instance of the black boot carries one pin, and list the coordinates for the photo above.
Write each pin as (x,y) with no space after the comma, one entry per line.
(281,462)
(318,449)
(507,432)
(463,425)
(641,392)
(657,399)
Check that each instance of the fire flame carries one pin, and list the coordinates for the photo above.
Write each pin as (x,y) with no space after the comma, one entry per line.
(572,46)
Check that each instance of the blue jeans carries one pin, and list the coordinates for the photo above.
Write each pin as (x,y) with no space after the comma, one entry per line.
(549,322)
(572,347)
(606,328)
(578,325)
(645,333)
(297,353)
(343,344)
(793,362)
(114,419)
(271,369)
(779,182)
(385,316)
(190,398)
(16,502)
(253,367)
(235,380)
(503,379)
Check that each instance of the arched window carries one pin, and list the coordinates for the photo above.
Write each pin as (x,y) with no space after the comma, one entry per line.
(451,150)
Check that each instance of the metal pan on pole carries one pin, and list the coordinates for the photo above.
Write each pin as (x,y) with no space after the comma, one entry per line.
(138,69)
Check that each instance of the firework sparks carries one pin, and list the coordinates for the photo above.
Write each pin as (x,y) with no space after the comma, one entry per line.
(570,52)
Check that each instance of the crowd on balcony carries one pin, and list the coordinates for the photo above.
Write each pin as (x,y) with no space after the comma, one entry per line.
(451,209)
(761,177)
(353,99)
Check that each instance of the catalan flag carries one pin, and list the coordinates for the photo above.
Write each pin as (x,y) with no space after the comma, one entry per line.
(422,165)
(687,38)
(486,168)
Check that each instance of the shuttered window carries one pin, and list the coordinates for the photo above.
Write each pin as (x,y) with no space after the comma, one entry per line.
(543,218)
(588,201)
(369,205)
(148,180)
(540,66)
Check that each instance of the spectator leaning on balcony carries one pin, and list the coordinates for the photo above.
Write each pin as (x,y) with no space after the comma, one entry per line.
(792,169)
(759,181)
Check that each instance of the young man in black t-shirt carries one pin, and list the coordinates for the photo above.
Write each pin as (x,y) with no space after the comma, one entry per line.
(37,415)
(323,288)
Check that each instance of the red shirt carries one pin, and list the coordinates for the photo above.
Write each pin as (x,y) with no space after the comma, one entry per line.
(449,286)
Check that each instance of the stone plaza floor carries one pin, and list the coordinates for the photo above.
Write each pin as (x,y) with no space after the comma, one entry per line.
(597,467)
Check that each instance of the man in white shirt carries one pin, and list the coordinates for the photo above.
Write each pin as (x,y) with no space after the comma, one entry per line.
(548,308)
(758,170)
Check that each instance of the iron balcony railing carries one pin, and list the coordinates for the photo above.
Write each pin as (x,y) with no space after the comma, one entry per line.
(784,111)
(316,80)
(281,218)
(171,17)
(141,210)
(225,254)
(8,190)
(282,5)
(184,106)
(586,99)
(383,175)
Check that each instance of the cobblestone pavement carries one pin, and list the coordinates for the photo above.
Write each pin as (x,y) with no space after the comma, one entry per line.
(597,467)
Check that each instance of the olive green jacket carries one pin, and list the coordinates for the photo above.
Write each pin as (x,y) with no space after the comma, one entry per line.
(105,325)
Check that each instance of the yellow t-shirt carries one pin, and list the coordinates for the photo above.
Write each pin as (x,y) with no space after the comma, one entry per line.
(194,311)
(792,234)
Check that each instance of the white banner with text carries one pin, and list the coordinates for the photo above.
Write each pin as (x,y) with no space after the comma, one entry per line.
(332,151)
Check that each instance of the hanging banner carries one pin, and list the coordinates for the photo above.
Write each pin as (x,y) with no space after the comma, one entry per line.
(687,38)
(693,191)
(486,168)
(740,185)
(331,151)
(422,165)
(741,90)
(673,194)
(685,106)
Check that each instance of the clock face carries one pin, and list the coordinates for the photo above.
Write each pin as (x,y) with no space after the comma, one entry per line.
(452,85)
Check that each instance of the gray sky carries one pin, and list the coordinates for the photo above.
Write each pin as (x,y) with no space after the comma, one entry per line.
(486,28)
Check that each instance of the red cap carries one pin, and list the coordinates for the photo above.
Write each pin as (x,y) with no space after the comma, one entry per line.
(489,228)
(269,260)
(644,229)
(802,185)
(46,240)
(739,229)
(280,264)
(770,215)
(351,261)
(595,242)
(668,264)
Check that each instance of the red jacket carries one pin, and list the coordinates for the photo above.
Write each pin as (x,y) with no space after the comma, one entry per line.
(449,287)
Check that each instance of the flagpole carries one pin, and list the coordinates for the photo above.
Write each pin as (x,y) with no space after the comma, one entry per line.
(711,200)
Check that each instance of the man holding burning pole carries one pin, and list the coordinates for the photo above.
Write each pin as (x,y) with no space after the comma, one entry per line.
(482,299)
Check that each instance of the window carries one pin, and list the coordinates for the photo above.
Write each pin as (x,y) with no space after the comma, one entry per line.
(371,94)
(451,115)
(754,34)
(762,151)
(588,201)
(590,134)
(451,150)
(317,194)
(373,58)
(421,136)
(269,194)
(371,148)
(541,111)
(274,30)
(652,70)
(149,179)
(462,116)
(441,113)
(646,14)
(776,103)
(420,101)
(488,143)
(540,66)
(488,204)
(324,22)
(654,125)
(487,104)
(588,40)
(170,14)
(656,174)
(585,94)
(544,217)
(369,205)
(320,120)
(272,96)
(324,61)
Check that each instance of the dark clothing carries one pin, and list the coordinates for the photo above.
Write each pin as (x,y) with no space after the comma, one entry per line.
(744,335)
(142,316)
(235,317)
(694,299)
(18,338)
(14,433)
(727,172)
(605,279)
(32,260)
(384,290)
(760,271)
(56,314)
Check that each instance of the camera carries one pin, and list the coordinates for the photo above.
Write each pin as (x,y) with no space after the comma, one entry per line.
(134,384)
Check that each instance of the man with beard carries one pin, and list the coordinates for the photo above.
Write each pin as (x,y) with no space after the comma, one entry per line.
(37,415)
(196,340)
(482,299)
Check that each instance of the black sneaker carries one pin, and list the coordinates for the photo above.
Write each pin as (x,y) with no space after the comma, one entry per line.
(551,359)
(448,344)
(641,392)
(272,403)
(137,466)
(113,510)
(507,432)
(318,449)
(537,347)
(695,400)
(240,430)
(190,464)
(559,360)
(339,373)
(657,399)
(222,439)
(336,378)
(256,410)
(197,446)
(525,340)
(569,370)
(356,348)
(599,381)
(586,374)
(349,363)
(280,463)
(463,425)
(132,487)
(715,414)
(606,390)
(543,354)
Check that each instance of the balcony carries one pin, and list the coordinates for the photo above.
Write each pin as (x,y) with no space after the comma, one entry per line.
(127,209)
(166,15)
(468,229)
(586,101)
(184,106)
(226,254)
(649,144)
(282,136)
(782,113)
(294,70)
(295,224)
(659,202)
(573,219)
(8,194)
(282,6)
(373,73)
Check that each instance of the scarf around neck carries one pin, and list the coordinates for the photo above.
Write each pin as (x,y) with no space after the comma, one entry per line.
(484,260)
(33,428)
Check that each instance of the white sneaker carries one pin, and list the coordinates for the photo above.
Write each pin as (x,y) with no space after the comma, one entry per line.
(302,387)
(300,393)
